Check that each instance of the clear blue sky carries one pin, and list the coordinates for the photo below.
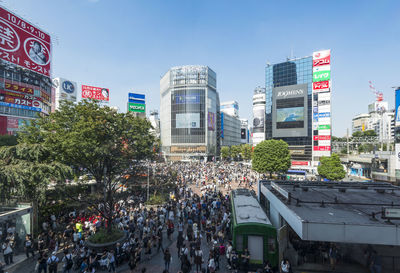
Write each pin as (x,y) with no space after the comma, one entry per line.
(127,45)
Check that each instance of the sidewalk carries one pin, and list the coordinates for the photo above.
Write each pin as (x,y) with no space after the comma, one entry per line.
(322,268)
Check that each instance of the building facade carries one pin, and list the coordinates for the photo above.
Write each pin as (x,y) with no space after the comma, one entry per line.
(244,131)
(259,108)
(190,113)
(230,108)
(289,106)
(231,130)
(155,122)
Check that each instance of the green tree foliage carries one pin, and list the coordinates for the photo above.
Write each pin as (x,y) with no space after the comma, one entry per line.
(96,139)
(369,133)
(331,168)
(246,151)
(225,152)
(271,156)
(8,140)
(235,152)
(26,170)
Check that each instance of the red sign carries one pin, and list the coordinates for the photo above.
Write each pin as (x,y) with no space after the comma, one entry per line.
(322,137)
(322,148)
(19,95)
(19,88)
(32,103)
(300,163)
(321,85)
(24,44)
(12,122)
(96,93)
(322,61)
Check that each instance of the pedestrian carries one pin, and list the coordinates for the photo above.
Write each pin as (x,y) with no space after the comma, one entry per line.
(111,259)
(28,246)
(376,264)
(67,262)
(42,263)
(333,253)
(52,262)
(245,259)
(167,259)
(198,258)
(285,266)
(8,252)
(211,264)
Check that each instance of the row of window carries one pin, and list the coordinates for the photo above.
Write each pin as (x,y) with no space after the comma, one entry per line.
(18,112)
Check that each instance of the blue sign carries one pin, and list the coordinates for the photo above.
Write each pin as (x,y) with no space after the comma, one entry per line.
(20,106)
(68,87)
(133,96)
(137,101)
(397,120)
(187,99)
(222,125)
(324,115)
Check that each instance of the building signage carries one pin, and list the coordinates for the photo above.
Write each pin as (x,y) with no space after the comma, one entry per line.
(300,163)
(322,61)
(222,125)
(187,99)
(324,127)
(68,87)
(296,152)
(95,93)
(391,213)
(324,132)
(320,76)
(211,121)
(20,106)
(18,88)
(187,120)
(290,93)
(322,137)
(322,148)
(136,107)
(397,110)
(188,149)
(321,86)
(23,44)
(136,98)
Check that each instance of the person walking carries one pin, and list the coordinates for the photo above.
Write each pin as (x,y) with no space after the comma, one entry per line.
(198,259)
(167,259)
(8,252)
(333,253)
(52,262)
(285,266)
(67,262)
(28,246)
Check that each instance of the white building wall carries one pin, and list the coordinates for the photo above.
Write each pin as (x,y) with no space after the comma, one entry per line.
(231,131)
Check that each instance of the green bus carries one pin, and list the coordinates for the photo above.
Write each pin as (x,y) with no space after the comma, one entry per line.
(252,229)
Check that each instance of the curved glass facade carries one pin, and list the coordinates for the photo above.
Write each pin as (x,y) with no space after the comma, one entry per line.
(188,113)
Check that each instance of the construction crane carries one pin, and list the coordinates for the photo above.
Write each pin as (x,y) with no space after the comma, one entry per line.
(378,95)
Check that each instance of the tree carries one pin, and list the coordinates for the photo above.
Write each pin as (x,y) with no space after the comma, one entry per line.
(98,140)
(331,168)
(357,134)
(225,152)
(369,133)
(235,151)
(271,156)
(8,140)
(246,151)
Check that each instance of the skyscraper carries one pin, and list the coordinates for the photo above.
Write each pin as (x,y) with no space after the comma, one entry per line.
(190,113)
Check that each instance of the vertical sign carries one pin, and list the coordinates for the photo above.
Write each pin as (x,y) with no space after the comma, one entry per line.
(322,103)
(397,133)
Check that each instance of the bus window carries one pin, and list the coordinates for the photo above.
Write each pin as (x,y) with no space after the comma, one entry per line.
(271,245)
(239,242)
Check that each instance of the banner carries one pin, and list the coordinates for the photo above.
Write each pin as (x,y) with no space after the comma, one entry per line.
(211,121)
(23,44)
(136,107)
(95,93)
(324,75)
(20,106)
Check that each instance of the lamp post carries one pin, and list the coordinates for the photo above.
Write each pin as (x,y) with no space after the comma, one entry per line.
(148,179)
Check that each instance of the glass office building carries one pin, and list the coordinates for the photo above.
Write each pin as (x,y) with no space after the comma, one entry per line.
(284,83)
(189,113)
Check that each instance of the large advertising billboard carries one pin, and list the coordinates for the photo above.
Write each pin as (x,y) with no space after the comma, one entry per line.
(24,44)
(188,120)
(289,111)
(136,98)
(211,121)
(136,107)
(397,110)
(187,99)
(259,101)
(95,93)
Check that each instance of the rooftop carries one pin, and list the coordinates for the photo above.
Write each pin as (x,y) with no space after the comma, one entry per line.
(247,208)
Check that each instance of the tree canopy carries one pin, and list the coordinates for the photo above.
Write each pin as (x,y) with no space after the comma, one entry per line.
(8,140)
(246,151)
(331,168)
(271,156)
(225,152)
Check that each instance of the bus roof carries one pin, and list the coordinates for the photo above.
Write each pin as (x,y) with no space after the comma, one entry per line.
(247,208)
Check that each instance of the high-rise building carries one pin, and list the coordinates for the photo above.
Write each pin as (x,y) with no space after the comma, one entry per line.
(155,122)
(25,71)
(298,106)
(244,131)
(230,108)
(64,90)
(231,130)
(190,113)
(259,104)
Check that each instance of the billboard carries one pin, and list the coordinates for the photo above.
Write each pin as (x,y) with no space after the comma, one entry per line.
(136,98)
(95,93)
(187,120)
(289,111)
(187,99)
(323,75)
(243,133)
(211,121)
(397,110)
(222,125)
(321,86)
(259,101)
(24,44)
(136,107)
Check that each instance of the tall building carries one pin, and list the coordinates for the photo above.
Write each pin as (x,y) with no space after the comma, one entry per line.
(190,113)
(155,122)
(230,108)
(25,66)
(244,131)
(64,90)
(259,108)
(230,130)
(298,106)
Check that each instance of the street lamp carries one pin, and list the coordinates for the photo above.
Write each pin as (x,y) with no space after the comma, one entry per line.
(148,179)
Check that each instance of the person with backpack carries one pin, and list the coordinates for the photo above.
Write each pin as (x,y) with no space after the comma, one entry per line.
(68,262)
(167,259)
(198,258)
(52,262)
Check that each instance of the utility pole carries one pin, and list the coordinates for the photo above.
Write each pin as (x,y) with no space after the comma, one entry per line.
(148,179)
(348,151)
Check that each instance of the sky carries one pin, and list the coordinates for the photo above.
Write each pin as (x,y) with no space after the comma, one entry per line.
(127,45)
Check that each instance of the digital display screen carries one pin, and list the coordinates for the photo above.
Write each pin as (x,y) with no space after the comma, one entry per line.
(292,117)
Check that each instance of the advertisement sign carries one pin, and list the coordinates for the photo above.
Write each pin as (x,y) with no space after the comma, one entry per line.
(188,149)
(187,99)
(12,122)
(23,44)
(136,107)
(324,108)
(300,163)
(326,132)
(324,127)
(322,148)
(136,98)
(18,88)
(222,125)
(243,133)
(321,86)
(289,111)
(397,102)
(322,54)
(95,93)
(324,75)
(322,137)
(20,106)
(188,120)
(211,121)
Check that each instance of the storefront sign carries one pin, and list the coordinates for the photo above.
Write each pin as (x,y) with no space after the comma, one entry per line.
(188,149)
